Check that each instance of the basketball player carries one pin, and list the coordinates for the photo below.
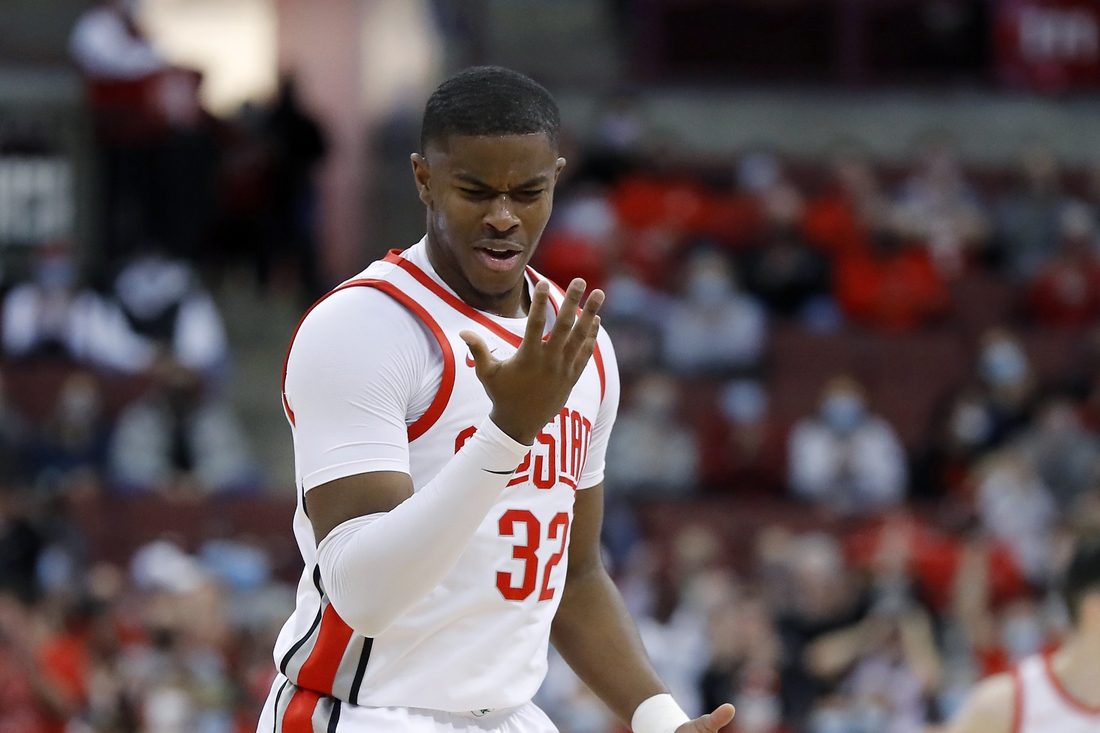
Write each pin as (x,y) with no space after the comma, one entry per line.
(1059,693)
(450,410)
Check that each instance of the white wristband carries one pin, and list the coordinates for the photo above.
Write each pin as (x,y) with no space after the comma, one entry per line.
(658,714)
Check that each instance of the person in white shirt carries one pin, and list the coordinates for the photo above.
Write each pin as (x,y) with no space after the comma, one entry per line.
(1055,693)
(107,44)
(450,411)
(846,458)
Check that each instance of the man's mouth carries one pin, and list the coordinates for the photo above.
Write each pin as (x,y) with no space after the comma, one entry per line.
(501,257)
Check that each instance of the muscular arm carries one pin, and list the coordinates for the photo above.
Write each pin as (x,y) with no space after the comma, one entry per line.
(593,631)
(365,544)
(596,636)
(991,709)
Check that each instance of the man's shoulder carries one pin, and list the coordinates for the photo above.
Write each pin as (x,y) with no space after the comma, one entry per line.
(357,314)
(991,708)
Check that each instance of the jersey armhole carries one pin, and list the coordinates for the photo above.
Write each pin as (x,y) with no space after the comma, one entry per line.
(446,385)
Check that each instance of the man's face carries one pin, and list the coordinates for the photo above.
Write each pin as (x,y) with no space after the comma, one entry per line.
(488,199)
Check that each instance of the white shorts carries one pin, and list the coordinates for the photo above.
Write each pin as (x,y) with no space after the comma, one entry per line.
(306,712)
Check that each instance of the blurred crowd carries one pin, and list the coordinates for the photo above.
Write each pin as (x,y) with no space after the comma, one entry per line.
(876,384)
(858,433)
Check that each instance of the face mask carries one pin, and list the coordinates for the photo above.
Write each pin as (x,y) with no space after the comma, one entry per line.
(55,274)
(1022,636)
(843,412)
(1004,364)
(709,288)
(628,296)
(970,425)
(744,402)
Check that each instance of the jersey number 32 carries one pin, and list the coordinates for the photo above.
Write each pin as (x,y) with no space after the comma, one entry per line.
(558,530)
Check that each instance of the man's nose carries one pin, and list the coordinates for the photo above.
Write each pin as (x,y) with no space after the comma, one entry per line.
(502,216)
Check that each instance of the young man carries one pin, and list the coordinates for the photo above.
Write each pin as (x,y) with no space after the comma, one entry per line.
(450,411)
(1059,693)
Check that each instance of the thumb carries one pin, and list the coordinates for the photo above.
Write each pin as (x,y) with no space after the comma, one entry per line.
(719,719)
(479,350)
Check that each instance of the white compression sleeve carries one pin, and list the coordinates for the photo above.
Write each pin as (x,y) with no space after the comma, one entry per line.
(375,568)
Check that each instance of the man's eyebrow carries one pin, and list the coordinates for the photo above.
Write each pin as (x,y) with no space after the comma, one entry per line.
(475,181)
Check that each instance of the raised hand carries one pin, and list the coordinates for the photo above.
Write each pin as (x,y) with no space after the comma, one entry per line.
(711,723)
(528,389)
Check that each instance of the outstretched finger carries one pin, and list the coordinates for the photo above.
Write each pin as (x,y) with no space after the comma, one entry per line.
(536,316)
(584,323)
(567,314)
(587,347)
(717,720)
(479,350)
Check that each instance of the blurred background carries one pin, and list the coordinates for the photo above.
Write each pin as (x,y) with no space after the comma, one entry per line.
(851,253)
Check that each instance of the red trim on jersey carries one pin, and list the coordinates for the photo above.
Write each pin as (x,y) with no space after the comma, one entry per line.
(394,257)
(298,717)
(596,355)
(1017,700)
(1065,694)
(319,670)
(446,385)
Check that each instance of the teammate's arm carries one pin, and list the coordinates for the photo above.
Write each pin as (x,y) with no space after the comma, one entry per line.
(595,634)
(382,548)
(991,709)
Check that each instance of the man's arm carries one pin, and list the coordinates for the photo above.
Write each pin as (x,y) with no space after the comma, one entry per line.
(991,709)
(595,634)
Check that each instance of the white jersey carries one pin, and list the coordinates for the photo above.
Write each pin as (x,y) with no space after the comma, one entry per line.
(1043,705)
(479,640)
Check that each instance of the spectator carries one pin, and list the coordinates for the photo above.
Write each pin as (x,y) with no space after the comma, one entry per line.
(741,448)
(1007,383)
(21,546)
(937,206)
(785,272)
(76,436)
(176,442)
(1066,291)
(840,219)
(52,317)
(633,314)
(744,664)
(891,286)
(32,699)
(1016,507)
(169,311)
(1065,455)
(674,636)
(959,437)
(825,599)
(1029,218)
(299,147)
(846,459)
(716,328)
(652,452)
(107,43)
(181,435)
(582,240)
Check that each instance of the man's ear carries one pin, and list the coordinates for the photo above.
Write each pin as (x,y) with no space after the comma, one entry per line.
(557,168)
(422,174)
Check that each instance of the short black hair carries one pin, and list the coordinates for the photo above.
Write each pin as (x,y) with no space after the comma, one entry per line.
(1083,575)
(489,100)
